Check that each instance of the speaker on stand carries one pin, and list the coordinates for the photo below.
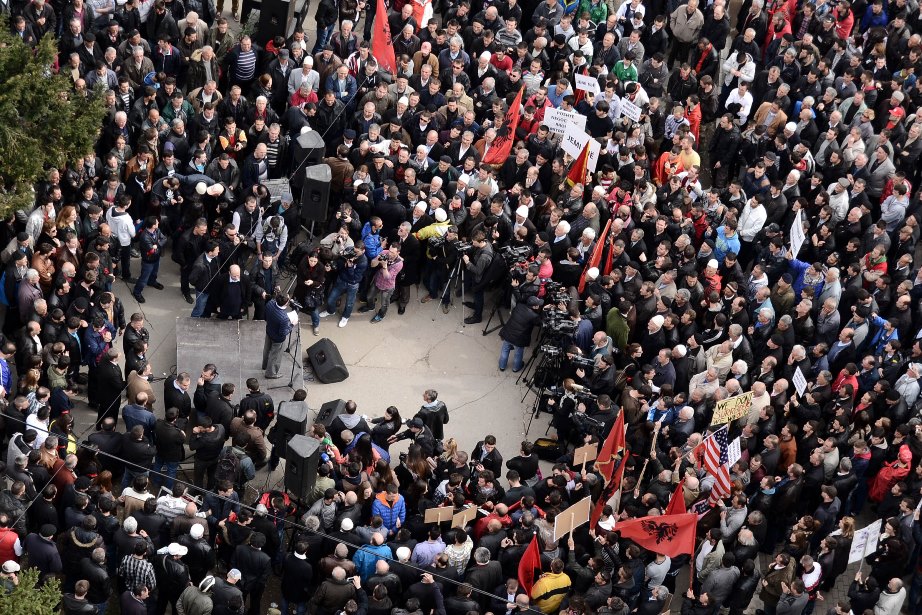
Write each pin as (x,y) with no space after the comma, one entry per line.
(301,461)
(306,151)
(315,196)
(291,421)
(330,411)
(274,17)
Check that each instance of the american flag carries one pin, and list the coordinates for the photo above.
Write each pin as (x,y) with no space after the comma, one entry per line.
(716,463)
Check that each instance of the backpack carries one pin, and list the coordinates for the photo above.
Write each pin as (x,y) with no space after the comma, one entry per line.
(228,466)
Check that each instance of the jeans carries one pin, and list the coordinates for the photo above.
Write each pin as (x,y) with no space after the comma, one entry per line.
(340,288)
(201,302)
(165,467)
(517,360)
(373,293)
(435,280)
(323,37)
(272,357)
(101,608)
(915,594)
(315,317)
(148,276)
(300,606)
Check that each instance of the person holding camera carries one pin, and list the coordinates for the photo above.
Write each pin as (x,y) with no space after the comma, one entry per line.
(477,264)
(389,265)
(516,333)
(350,267)
(309,288)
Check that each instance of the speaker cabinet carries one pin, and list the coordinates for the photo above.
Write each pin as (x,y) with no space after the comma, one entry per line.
(274,17)
(291,421)
(306,151)
(330,411)
(301,461)
(315,195)
(327,362)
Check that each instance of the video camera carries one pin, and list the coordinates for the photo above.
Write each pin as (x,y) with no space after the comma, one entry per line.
(558,323)
(462,247)
(515,256)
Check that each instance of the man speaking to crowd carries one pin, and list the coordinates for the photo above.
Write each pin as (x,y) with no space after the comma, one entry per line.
(279,322)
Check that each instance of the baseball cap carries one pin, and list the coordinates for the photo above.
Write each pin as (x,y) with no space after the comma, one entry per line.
(534,302)
(415,423)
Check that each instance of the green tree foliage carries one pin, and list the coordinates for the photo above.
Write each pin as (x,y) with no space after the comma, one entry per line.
(42,122)
(26,599)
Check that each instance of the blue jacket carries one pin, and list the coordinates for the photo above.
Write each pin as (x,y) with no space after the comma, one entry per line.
(94,347)
(389,513)
(278,326)
(350,87)
(352,276)
(372,241)
(724,244)
(366,558)
(6,379)
(134,414)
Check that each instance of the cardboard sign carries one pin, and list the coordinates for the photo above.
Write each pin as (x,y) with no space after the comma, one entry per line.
(865,542)
(438,514)
(587,83)
(800,383)
(572,518)
(464,517)
(731,409)
(558,120)
(585,454)
(573,142)
(797,233)
(630,110)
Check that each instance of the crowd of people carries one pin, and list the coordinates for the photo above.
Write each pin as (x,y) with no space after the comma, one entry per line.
(665,279)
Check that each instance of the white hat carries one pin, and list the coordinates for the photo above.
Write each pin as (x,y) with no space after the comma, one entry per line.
(234,573)
(403,101)
(207,583)
(522,211)
(177,549)
(713,263)
(440,215)
(681,350)
(791,126)
(346,525)
(658,321)
(10,566)
(196,531)
(486,55)
(593,273)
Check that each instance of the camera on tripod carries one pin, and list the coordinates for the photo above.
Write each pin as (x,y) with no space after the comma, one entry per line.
(583,362)
(515,256)
(462,247)
(558,322)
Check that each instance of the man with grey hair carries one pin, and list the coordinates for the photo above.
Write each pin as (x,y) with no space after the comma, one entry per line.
(486,575)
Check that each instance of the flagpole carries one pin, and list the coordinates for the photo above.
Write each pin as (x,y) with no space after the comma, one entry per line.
(643,470)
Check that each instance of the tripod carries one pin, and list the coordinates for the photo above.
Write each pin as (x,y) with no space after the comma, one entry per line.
(504,297)
(549,364)
(456,276)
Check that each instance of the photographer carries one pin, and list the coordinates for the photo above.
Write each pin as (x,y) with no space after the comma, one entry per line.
(350,267)
(516,333)
(525,285)
(388,265)
(441,257)
(278,326)
(337,241)
(477,264)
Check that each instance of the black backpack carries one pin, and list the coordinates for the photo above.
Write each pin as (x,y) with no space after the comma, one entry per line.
(228,467)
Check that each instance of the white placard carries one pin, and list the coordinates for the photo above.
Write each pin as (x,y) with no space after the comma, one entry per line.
(734,452)
(797,233)
(800,383)
(587,83)
(864,542)
(573,142)
(630,110)
(558,120)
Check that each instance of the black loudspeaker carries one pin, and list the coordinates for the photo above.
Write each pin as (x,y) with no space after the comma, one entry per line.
(292,421)
(315,195)
(274,17)
(306,151)
(301,461)
(327,362)
(330,411)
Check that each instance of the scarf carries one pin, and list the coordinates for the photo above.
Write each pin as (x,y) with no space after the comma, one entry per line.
(704,55)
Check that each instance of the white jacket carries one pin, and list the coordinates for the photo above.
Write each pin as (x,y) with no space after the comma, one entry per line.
(751,222)
(122,226)
(747,70)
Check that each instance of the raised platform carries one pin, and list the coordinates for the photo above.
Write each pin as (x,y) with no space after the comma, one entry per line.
(236,347)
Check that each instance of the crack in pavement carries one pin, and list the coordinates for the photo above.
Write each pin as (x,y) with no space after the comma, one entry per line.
(427,357)
(499,382)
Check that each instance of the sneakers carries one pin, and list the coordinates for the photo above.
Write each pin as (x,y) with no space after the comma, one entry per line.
(316,330)
(343,322)
(324,314)
(377,318)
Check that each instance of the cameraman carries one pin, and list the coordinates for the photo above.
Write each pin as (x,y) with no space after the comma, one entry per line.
(350,267)
(530,286)
(441,258)
(516,333)
(477,264)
